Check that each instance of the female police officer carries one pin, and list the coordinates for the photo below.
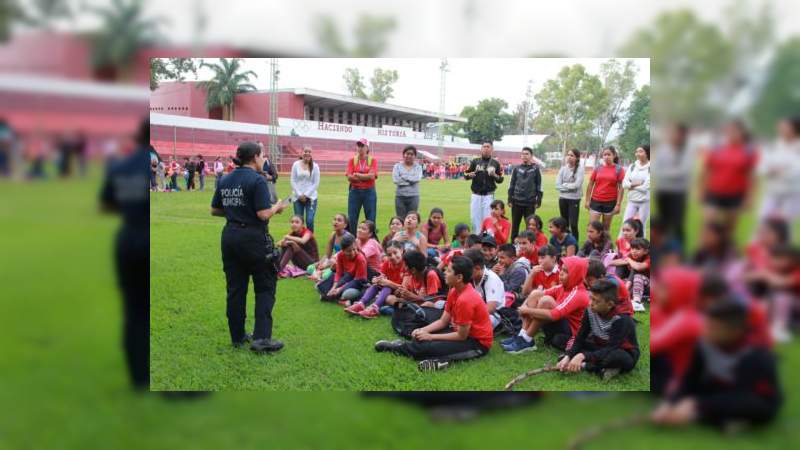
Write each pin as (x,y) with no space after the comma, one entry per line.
(242,197)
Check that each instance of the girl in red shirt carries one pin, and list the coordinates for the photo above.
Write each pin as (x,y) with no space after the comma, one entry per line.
(497,225)
(604,193)
(350,275)
(419,283)
(618,262)
(535,225)
(299,247)
(393,270)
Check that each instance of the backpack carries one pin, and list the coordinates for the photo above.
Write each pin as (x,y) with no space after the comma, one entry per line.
(510,322)
(617,170)
(411,316)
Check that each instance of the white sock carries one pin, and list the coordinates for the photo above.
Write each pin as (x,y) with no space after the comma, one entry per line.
(525,336)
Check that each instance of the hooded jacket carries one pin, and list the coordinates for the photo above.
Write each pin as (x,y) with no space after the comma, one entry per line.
(637,172)
(572,299)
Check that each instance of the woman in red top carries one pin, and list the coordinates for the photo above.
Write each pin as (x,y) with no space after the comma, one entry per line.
(604,193)
(497,225)
(727,175)
(362,171)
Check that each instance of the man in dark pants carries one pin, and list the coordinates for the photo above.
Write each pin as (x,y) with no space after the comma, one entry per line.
(524,191)
(242,197)
(125,191)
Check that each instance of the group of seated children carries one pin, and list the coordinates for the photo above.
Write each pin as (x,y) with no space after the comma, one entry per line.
(482,285)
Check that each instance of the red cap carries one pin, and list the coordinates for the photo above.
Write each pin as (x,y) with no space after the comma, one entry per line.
(363,141)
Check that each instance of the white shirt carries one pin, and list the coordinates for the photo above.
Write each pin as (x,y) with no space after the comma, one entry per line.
(673,168)
(304,182)
(780,168)
(638,173)
(491,288)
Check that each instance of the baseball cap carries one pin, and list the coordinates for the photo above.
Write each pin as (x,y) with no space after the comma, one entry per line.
(489,240)
(363,141)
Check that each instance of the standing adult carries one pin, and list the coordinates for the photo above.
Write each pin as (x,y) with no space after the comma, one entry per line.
(219,170)
(189,167)
(485,172)
(201,171)
(270,174)
(362,171)
(406,175)
(780,167)
(305,183)
(247,247)
(673,164)
(604,193)
(637,182)
(569,184)
(524,190)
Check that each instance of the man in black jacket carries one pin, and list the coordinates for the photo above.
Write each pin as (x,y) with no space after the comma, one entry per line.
(524,191)
(485,172)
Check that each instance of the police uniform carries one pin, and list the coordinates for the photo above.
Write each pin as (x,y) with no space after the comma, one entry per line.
(246,245)
(126,189)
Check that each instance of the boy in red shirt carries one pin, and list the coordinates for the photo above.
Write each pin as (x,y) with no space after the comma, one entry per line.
(527,247)
(463,332)
(544,275)
(556,311)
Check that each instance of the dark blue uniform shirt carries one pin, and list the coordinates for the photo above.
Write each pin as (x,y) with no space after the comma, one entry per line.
(241,193)
(127,187)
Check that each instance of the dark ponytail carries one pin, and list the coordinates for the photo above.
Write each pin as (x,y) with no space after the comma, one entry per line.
(246,153)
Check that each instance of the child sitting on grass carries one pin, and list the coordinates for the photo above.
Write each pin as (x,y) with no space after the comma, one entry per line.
(545,274)
(497,225)
(606,341)
(565,243)
(350,276)
(299,247)
(435,231)
(420,283)
(639,262)
(460,234)
(597,271)
(512,270)
(395,225)
(472,241)
(390,278)
(463,332)
(323,269)
(598,242)
(618,262)
(535,225)
(525,243)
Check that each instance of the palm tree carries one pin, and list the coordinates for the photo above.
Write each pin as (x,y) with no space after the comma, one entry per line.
(227,81)
(125,30)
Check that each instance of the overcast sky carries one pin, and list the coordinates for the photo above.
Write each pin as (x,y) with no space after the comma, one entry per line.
(468,79)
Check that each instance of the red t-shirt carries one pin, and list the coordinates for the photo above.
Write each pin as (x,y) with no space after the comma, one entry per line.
(606,182)
(452,253)
(570,304)
(393,273)
(468,308)
(356,266)
(430,287)
(544,280)
(624,304)
(623,247)
(500,231)
(532,256)
(369,165)
(728,170)
(757,255)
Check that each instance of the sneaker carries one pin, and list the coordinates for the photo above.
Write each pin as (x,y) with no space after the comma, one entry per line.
(344,303)
(369,313)
(432,365)
(247,338)
(266,345)
(638,307)
(609,374)
(388,346)
(509,340)
(387,310)
(283,273)
(355,308)
(519,346)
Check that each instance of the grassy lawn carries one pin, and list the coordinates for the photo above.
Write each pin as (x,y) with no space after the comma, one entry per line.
(325,349)
(64,383)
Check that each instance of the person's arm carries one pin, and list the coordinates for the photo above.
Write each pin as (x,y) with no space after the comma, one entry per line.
(511,185)
(216,204)
(293,180)
(314,181)
(423,244)
(470,172)
(528,286)
(560,181)
(580,338)
(626,180)
(616,337)
(445,238)
(329,250)
(434,326)
(638,266)
(266,214)
(396,178)
(350,172)
(416,175)
(515,280)
(537,186)
(589,189)
(620,193)
(498,172)
(645,185)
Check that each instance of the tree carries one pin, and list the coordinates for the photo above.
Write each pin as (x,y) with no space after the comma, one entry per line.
(124,31)
(370,34)
(10,12)
(44,13)
(780,95)
(619,83)
(687,57)
(170,69)
(381,83)
(228,80)
(636,125)
(487,120)
(569,105)
(518,117)
(354,82)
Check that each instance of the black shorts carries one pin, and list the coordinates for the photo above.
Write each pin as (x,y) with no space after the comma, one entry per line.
(602,207)
(724,201)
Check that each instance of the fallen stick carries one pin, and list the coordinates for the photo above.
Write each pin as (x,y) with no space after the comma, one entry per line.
(547,368)
(593,432)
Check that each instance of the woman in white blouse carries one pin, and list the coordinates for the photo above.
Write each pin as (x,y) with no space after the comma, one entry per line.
(305,182)
(637,182)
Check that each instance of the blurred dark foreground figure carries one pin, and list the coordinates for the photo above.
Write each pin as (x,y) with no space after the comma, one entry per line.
(125,191)
(462,405)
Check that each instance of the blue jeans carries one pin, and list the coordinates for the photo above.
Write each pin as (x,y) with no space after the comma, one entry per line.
(358,198)
(307,210)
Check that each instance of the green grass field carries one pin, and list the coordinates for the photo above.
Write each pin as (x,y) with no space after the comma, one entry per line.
(64,384)
(325,348)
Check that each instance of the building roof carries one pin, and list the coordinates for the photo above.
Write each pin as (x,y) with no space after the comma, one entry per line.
(324,99)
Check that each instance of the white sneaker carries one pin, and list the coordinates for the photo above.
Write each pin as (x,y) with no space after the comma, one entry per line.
(638,307)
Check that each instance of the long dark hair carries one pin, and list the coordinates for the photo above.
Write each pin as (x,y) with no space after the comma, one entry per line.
(577,155)
(637,226)
(434,211)
(604,236)
(371,227)
(310,161)
(613,152)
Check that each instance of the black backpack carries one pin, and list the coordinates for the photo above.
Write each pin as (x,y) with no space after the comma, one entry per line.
(410,316)
(510,322)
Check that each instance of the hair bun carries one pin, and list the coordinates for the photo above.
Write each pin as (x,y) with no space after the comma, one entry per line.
(237,161)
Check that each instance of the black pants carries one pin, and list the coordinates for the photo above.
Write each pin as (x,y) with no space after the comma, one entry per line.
(244,255)
(570,210)
(132,258)
(404,205)
(518,214)
(443,350)
(190,182)
(615,359)
(672,211)
(557,334)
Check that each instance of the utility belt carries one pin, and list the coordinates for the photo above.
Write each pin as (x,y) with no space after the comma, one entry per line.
(237,224)
(273,253)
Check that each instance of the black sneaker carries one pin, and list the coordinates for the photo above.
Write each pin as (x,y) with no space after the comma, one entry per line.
(247,338)
(388,346)
(266,345)
(432,365)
